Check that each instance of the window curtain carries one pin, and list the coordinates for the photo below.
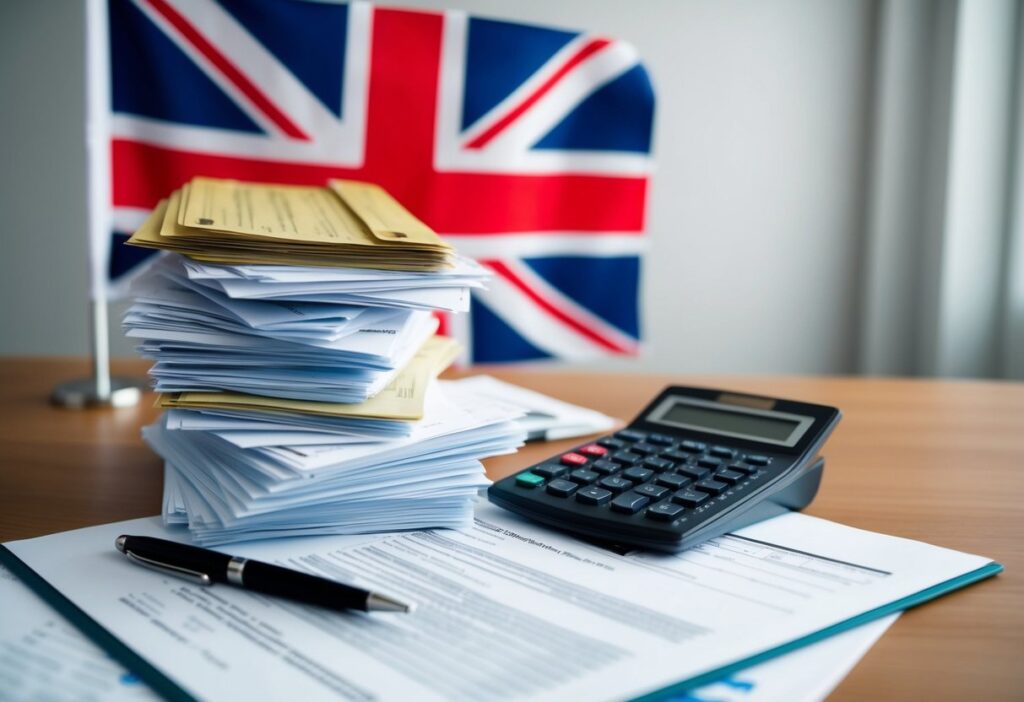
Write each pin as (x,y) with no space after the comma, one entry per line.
(943,265)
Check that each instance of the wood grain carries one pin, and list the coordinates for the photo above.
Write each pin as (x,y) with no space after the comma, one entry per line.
(939,461)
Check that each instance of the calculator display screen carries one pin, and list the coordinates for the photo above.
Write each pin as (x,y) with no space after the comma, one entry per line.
(757,425)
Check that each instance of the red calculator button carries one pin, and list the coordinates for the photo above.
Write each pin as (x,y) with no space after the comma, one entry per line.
(593,450)
(574,459)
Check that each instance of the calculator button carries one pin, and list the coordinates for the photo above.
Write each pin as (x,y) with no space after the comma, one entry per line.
(757,460)
(711,486)
(573,459)
(644,448)
(605,467)
(664,512)
(674,455)
(611,442)
(692,446)
(550,470)
(659,464)
(637,475)
(693,472)
(689,498)
(672,480)
(529,480)
(593,496)
(722,452)
(583,476)
(615,484)
(626,458)
(593,450)
(629,502)
(728,476)
(630,435)
(561,488)
(741,468)
(709,462)
(661,439)
(652,491)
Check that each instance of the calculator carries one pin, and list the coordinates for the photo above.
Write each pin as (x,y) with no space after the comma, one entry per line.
(695,464)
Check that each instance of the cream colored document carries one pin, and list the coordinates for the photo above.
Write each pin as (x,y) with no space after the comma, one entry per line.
(307,214)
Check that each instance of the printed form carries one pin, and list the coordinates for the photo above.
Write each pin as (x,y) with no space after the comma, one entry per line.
(504,610)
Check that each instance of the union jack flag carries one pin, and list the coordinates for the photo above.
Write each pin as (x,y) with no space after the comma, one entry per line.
(528,147)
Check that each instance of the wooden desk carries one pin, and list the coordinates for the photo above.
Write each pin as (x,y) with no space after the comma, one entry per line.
(939,461)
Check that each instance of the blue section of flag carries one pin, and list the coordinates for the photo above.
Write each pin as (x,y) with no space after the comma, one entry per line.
(496,342)
(125,258)
(616,117)
(142,58)
(500,56)
(605,286)
(307,37)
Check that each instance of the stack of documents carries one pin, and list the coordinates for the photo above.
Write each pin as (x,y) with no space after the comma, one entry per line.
(301,327)
(352,224)
(205,340)
(293,339)
(232,476)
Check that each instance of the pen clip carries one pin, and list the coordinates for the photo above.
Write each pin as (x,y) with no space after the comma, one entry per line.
(193,575)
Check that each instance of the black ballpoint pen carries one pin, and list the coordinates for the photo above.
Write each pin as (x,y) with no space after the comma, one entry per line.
(205,567)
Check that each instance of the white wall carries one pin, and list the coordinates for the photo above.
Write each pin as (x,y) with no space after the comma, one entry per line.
(755,213)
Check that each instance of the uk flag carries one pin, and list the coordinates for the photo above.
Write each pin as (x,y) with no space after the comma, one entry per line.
(527,147)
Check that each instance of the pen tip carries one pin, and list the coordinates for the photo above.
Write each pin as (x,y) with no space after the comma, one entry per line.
(380,603)
(119,542)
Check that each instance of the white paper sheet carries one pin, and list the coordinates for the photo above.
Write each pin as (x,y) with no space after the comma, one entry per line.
(438,290)
(545,418)
(44,657)
(505,610)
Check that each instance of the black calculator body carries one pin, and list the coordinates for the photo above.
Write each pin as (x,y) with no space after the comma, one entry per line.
(695,464)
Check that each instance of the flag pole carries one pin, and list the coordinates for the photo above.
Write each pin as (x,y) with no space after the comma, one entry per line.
(100,389)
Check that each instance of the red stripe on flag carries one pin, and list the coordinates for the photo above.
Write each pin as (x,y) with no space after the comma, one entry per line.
(451,203)
(509,275)
(443,323)
(402,100)
(229,69)
(586,52)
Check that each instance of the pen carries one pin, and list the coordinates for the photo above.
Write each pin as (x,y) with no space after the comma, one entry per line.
(205,567)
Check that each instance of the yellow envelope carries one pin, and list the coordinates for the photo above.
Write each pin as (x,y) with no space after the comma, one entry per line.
(295,213)
(383,215)
(350,224)
(148,234)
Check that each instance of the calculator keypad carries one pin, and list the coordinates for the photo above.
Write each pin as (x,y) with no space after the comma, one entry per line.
(672,478)
(654,476)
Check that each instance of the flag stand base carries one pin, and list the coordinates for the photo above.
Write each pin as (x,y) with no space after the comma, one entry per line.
(84,392)
(100,390)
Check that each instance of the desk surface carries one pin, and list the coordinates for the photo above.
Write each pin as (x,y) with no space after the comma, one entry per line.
(939,461)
